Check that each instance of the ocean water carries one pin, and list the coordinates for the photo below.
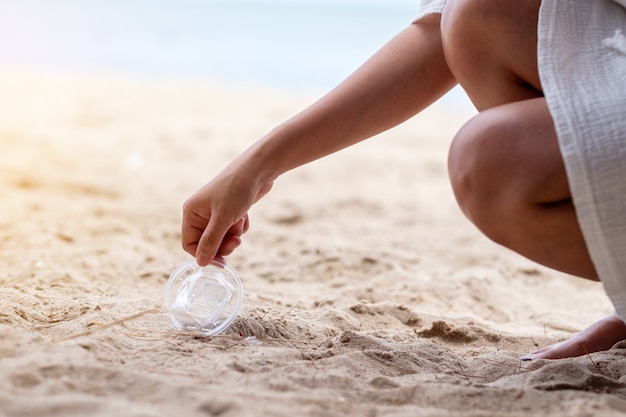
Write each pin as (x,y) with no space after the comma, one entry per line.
(287,44)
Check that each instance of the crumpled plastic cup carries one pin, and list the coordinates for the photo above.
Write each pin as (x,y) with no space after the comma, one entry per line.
(206,299)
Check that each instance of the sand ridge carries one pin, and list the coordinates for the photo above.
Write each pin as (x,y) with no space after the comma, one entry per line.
(367,293)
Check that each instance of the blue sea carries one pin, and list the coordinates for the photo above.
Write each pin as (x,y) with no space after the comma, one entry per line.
(285,44)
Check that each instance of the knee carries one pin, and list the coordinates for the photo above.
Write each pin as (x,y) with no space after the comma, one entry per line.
(481,174)
(477,17)
(468,25)
(463,23)
(475,32)
(469,169)
(468,47)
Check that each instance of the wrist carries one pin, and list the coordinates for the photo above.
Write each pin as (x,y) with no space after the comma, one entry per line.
(269,157)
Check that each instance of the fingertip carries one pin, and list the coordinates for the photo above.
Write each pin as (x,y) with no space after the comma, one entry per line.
(202,259)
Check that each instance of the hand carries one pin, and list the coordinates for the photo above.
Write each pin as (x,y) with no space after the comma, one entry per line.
(405,76)
(215,217)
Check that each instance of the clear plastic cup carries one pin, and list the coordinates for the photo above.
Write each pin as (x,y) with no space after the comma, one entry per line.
(203,299)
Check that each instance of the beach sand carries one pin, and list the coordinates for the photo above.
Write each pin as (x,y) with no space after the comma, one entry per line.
(367,292)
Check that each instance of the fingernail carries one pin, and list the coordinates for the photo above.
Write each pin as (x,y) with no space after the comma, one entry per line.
(528,357)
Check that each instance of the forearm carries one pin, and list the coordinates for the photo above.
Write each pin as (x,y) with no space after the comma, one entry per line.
(403,78)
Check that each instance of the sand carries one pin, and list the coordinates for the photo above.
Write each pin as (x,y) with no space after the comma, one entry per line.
(367,293)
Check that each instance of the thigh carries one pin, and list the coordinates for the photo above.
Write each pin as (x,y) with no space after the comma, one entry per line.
(491,48)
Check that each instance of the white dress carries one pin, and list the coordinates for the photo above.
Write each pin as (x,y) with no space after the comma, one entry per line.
(582,67)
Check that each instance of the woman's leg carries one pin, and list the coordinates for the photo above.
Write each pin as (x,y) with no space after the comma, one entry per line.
(505,165)
(509,179)
(491,48)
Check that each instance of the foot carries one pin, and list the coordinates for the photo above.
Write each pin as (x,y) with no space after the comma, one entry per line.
(601,335)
